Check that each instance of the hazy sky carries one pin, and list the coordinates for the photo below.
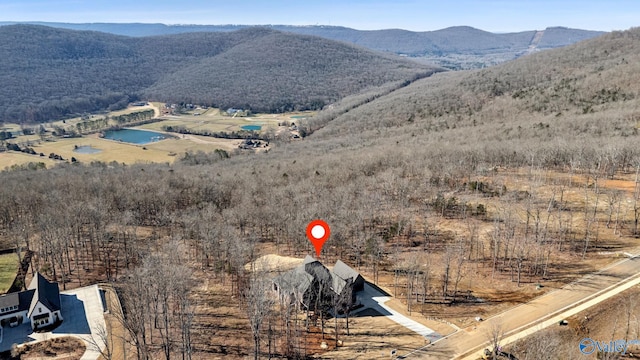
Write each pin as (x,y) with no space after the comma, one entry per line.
(491,15)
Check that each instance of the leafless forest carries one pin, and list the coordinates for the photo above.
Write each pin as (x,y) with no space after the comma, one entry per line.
(522,172)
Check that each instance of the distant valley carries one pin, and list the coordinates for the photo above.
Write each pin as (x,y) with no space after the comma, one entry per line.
(459,47)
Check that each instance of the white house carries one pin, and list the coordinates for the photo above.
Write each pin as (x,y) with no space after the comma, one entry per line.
(39,304)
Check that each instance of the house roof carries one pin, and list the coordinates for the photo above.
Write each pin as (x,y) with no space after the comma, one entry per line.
(318,271)
(308,260)
(45,292)
(344,271)
(312,273)
(9,300)
(337,284)
(21,299)
(297,279)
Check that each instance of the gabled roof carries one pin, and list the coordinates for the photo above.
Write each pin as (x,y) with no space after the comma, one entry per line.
(318,271)
(47,293)
(337,284)
(308,260)
(20,299)
(296,279)
(344,271)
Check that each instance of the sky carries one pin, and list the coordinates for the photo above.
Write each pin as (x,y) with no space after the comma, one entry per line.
(415,15)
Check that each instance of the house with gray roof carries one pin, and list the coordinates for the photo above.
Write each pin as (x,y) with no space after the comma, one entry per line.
(39,304)
(314,284)
(347,273)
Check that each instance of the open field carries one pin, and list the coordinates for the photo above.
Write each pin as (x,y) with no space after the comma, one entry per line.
(212,120)
(161,152)
(8,269)
(11,158)
(130,153)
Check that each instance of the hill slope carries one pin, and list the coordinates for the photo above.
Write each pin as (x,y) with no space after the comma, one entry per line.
(455,47)
(547,105)
(48,73)
(272,73)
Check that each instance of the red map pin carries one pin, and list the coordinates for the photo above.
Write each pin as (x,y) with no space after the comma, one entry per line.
(318,232)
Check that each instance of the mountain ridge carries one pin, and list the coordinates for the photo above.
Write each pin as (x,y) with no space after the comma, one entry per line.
(50,73)
(362,37)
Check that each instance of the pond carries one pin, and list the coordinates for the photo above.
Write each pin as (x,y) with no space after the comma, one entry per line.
(134,136)
(86,149)
(299,116)
(251,127)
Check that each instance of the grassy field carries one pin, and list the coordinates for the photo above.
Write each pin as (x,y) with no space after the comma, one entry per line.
(8,159)
(212,120)
(167,150)
(163,151)
(8,269)
(121,152)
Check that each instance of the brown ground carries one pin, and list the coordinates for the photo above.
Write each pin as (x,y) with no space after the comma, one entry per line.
(222,330)
(372,337)
(66,348)
(117,343)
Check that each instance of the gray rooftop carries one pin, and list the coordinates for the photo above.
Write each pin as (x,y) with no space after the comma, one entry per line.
(344,271)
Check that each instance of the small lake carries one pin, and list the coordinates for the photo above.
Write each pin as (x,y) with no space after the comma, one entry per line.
(86,149)
(299,116)
(134,136)
(251,127)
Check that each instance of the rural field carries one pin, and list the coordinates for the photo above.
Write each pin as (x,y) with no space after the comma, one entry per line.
(163,151)
(216,120)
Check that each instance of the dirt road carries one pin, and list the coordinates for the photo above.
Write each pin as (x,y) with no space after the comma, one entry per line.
(541,312)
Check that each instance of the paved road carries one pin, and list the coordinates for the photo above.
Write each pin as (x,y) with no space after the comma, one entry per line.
(542,311)
(371,298)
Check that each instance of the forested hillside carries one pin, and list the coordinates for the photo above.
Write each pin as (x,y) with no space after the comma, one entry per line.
(50,73)
(589,87)
(457,39)
(464,188)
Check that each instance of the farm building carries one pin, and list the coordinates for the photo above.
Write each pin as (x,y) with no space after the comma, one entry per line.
(39,304)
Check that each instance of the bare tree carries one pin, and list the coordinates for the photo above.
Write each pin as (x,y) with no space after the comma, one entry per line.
(540,346)
(102,342)
(494,335)
(259,302)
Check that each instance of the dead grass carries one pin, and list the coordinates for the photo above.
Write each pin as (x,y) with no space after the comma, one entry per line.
(165,151)
(64,348)
(10,158)
(212,120)
(273,262)
(372,337)
(221,330)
